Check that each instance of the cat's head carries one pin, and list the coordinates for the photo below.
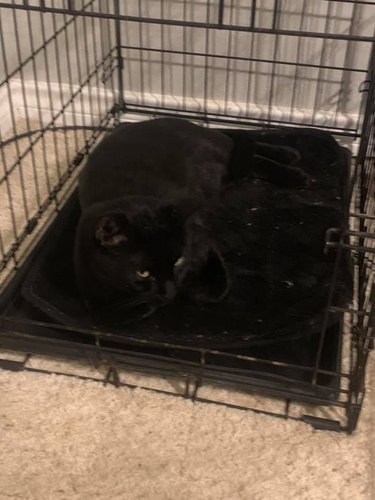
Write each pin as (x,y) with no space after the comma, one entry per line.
(138,254)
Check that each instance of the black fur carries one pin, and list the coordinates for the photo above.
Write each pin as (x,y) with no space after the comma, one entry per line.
(140,194)
(149,195)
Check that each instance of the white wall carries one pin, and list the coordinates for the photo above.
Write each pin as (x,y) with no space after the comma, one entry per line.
(251,86)
(305,94)
(44,84)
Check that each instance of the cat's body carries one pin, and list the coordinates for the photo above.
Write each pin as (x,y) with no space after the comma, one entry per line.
(169,159)
(147,195)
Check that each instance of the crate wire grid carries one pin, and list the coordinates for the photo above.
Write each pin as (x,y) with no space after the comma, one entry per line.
(72,69)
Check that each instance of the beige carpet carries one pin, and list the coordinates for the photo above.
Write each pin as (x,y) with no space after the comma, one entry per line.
(65,438)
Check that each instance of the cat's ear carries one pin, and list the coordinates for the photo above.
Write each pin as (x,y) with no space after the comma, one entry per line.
(109,231)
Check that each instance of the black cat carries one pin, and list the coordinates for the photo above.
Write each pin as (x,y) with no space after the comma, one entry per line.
(148,195)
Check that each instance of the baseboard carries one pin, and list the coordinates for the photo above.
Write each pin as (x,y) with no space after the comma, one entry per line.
(52,102)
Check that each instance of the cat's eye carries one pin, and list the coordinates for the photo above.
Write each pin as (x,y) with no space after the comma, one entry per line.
(143,274)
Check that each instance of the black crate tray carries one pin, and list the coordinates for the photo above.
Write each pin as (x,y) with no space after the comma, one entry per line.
(274,312)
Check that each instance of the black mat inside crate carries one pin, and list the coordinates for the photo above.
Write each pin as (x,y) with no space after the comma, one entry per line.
(272,240)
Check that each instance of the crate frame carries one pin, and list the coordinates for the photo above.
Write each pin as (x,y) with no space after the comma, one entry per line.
(111,69)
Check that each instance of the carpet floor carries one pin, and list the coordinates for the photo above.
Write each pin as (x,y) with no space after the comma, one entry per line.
(66,438)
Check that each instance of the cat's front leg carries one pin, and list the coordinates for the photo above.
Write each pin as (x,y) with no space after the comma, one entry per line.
(200,272)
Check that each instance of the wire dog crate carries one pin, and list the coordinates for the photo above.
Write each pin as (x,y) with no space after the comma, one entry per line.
(72,69)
